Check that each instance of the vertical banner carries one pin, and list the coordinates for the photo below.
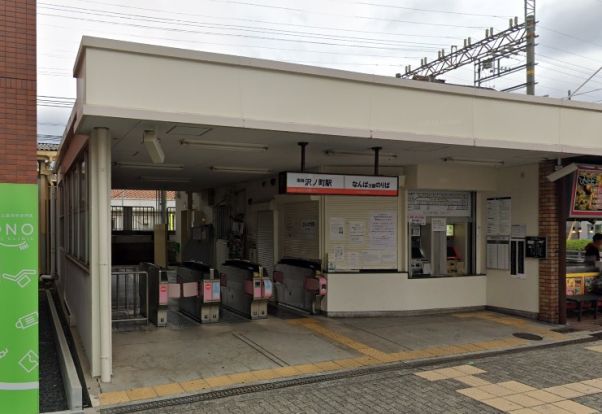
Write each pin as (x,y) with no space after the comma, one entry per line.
(19,354)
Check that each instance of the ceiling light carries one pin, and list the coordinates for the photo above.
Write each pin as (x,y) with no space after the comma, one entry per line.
(241,170)
(468,161)
(187,130)
(333,153)
(147,166)
(165,179)
(224,146)
(153,147)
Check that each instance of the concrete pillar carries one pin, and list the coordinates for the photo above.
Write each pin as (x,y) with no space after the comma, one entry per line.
(100,251)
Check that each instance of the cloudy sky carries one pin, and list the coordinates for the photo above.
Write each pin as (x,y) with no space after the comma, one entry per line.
(373,36)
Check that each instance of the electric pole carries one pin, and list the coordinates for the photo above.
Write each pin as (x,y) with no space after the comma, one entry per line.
(530,33)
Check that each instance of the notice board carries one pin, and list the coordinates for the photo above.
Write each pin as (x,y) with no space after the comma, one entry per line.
(361,233)
(499,229)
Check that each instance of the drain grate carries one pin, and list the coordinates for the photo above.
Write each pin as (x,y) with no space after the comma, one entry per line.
(527,336)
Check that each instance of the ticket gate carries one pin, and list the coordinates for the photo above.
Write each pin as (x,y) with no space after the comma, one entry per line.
(245,288)
(158,292)
(200,291)
(300,284)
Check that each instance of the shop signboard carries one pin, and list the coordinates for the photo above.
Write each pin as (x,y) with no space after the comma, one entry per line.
(336,184)
(586,197)
(19,298)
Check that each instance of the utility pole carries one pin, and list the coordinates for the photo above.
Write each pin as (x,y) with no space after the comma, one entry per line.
(530,50)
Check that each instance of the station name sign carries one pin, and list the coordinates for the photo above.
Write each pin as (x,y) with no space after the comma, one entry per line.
(586,197)
(336,184)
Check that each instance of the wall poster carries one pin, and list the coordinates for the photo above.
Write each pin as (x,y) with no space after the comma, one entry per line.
(19,358)
(499,230)
(586,197)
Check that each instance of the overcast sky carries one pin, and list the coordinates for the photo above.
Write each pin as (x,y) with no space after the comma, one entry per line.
(373,36)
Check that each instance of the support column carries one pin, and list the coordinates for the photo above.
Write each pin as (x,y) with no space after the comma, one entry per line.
(100,246)
(549,223)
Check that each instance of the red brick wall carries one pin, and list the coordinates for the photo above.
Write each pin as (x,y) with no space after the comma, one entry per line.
(549,218)
(18,130)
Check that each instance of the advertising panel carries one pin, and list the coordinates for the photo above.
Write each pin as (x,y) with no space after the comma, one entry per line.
(19,354)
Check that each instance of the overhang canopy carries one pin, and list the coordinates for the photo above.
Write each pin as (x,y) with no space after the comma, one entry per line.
(184,94)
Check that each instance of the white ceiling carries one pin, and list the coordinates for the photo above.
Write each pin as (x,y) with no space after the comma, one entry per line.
(283,153)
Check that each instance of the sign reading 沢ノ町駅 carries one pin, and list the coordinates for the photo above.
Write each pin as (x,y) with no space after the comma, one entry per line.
(586,197)
(335,184)
(19,298)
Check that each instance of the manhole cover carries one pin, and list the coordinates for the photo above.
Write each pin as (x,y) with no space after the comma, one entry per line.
(528,336)
(565,330)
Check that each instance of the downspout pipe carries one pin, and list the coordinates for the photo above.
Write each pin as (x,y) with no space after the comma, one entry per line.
(103,146)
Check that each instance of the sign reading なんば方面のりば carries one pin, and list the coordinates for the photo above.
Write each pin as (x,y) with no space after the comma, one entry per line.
(19,352)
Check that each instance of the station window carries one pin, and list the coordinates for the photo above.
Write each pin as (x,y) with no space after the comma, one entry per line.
(441,233)
(74,210)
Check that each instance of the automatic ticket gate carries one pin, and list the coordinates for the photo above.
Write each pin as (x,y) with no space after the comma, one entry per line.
(158,292)
(200,291)
(245,288)
(300,284)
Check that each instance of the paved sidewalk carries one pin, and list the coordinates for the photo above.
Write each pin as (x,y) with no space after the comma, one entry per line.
(563,379)
(189,358)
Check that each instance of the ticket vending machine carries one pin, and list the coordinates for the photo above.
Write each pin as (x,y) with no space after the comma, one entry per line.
(300,284)
(200,291)
(245,288)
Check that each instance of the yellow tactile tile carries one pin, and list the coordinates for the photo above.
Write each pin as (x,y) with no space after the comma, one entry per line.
(401,356)
(168,389)
(114,397)
(469,369)
(327,366)
(550,409)
(472,347)
(544,396)
(524,411)
(194,385)
(574,407)
(472,381)
(449,373)
(431,376)
(367,361)
(283,372)
(348,363)
(476,394)
(597,382)
(219,381)
(266,374)
(596,348)
(141,393)
(523,400)
(502,404)
(243,377)
(497,390)
(307,368)
(585,389)
(563,392)
(516,386)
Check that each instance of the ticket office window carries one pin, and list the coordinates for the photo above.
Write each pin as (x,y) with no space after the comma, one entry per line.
(442,246)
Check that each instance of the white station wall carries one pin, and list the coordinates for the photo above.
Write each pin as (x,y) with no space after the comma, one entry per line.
(503,291)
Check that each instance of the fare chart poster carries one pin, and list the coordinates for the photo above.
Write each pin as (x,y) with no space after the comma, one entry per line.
(19,354)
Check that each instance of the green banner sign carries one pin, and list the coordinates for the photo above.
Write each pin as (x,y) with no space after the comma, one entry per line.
(19,354)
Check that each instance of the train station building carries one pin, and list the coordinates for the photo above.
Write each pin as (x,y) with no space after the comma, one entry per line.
(328,192)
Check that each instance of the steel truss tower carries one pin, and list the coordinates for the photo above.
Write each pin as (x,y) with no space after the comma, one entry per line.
(487,54)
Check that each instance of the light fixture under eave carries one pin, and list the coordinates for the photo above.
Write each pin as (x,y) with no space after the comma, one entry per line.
(165,179)
(147,166)
(224,146)
(240,170)
(153,146)
(469,161)
(334,153)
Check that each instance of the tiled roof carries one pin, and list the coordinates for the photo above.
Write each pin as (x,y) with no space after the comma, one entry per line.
(140,194)
(47,146)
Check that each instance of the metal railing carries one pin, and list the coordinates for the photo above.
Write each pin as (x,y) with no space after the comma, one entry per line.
(140,218)
(129,294)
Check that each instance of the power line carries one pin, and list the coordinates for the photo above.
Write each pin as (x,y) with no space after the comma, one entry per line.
(127,16)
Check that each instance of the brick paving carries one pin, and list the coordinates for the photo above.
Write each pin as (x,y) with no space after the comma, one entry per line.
(403,391)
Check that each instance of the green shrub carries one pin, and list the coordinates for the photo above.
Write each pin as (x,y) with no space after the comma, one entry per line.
(577,245)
